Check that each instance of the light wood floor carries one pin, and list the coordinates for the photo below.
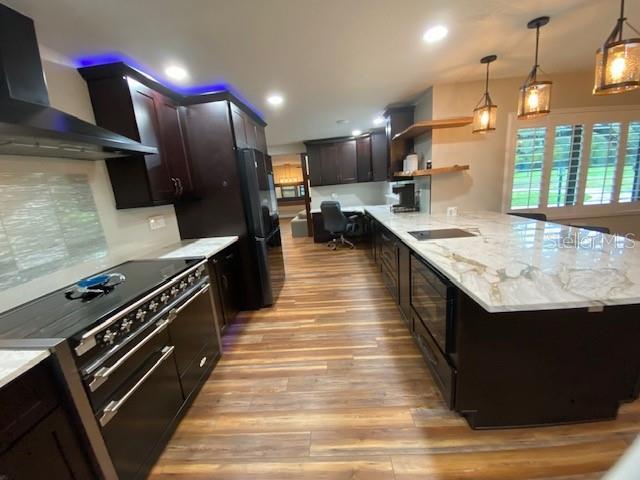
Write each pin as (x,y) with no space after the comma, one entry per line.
(328,385)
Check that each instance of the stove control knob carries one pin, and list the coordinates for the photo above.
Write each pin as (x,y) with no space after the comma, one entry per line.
(183,285)
(164,298)
(109,337)
(174,291)
(140,314)
(153,305)
(198,273)
(125,326)
(191,279)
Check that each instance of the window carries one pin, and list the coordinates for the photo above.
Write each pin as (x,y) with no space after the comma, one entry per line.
(567,153)
(575,163)
(527,174)
(605,140)
(630,188)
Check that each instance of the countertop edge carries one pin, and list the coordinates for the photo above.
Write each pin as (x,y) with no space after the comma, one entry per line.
(21,366)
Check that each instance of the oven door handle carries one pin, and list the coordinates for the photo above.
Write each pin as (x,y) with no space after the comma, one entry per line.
(192,299)
(111,410)
(103,374)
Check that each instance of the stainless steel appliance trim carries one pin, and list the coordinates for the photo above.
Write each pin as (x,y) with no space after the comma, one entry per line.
(103,374)
(193,298)
(111,410)
(87,341)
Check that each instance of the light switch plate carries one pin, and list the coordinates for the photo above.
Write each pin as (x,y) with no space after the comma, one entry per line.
(157,222)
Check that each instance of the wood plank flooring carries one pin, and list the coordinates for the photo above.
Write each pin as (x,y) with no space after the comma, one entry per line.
(328,385)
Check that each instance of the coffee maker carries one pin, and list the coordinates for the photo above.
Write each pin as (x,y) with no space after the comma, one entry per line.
(407,194)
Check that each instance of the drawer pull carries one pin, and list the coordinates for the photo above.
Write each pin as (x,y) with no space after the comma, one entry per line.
(203,360)
(111,410)
(103,374)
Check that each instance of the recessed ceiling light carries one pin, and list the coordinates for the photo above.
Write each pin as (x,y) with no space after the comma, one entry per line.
(275,100)
(175,72)
(378,121)
(435,34)
(355,133)
(342,121)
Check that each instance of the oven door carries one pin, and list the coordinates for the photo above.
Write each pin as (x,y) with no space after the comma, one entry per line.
(139,412)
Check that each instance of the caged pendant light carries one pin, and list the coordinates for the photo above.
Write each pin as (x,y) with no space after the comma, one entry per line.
(618,61)
(484,115)
(535,95)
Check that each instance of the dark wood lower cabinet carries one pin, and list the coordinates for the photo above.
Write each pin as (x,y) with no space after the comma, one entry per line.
(513,369)
(38,437)
(223,272)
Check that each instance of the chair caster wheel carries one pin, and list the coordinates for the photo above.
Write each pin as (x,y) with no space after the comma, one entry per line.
(332,246)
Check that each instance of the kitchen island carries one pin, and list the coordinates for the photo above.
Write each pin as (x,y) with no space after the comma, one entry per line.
(521,322)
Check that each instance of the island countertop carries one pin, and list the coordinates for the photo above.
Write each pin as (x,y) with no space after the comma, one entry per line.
(518,264)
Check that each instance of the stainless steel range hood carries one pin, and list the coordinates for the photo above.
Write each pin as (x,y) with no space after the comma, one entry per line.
(28,124)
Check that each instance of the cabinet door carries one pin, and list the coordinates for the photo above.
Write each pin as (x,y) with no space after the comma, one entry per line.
(404,283)
(363,152)
(239,127)
(251,130)
(145,105)
(262,139)
(173,147)
(379,156)
(329,164)
(347,162)
(50,450)
(226,268)
(314,160)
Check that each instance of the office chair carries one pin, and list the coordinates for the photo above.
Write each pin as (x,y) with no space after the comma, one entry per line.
(337,224)
(533,216)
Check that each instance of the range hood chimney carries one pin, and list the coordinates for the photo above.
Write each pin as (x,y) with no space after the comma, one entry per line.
(28,124)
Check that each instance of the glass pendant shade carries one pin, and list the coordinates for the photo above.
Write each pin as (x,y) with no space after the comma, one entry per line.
(535,95)
(484,119)
(534,99)
(618,61)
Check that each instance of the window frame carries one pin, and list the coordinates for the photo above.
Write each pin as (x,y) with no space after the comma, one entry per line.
(572,116)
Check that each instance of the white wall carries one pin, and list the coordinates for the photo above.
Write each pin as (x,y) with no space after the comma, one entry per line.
(350,195)
(480,188)
(126,231)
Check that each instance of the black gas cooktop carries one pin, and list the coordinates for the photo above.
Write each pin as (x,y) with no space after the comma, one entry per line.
(441,233)
(55,316)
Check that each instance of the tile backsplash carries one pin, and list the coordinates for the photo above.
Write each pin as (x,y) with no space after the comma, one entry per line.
(47,221)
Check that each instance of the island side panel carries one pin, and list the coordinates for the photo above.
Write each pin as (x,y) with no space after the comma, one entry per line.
(545,367)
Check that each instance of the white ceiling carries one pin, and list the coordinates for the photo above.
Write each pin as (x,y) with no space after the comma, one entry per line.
(331,59)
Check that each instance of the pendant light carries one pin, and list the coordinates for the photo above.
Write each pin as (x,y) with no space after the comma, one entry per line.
(484,115)
(618,61)
(535,95)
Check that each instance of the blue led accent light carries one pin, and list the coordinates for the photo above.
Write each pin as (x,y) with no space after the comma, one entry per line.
(117,57)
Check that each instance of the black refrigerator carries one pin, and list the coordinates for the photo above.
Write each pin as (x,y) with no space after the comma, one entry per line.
(263,224)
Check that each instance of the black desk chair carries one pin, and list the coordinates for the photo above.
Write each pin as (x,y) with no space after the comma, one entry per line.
(337,224)
(533,216)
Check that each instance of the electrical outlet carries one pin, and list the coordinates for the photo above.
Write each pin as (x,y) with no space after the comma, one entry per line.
(157,222)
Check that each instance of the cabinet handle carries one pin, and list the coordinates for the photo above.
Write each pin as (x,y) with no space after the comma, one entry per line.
(175,186)
(111,410)
(104,373)
(180,187)
(384,237)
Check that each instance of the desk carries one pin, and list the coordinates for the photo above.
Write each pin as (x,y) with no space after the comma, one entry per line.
(320,235)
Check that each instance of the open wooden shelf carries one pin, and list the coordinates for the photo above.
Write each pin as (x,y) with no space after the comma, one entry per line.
(431,171)
(424,126)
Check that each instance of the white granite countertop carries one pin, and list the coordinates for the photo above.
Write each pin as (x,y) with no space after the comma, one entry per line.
(14,363)
(201,247)
(517,264)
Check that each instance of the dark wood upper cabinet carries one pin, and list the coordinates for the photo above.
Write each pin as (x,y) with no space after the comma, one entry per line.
(363,147)
(247,133)
(329,164)
(315,165)
(347,162)
(379,156)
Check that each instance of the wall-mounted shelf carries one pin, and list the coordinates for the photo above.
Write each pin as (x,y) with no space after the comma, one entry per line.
(424,126)
(430,172)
